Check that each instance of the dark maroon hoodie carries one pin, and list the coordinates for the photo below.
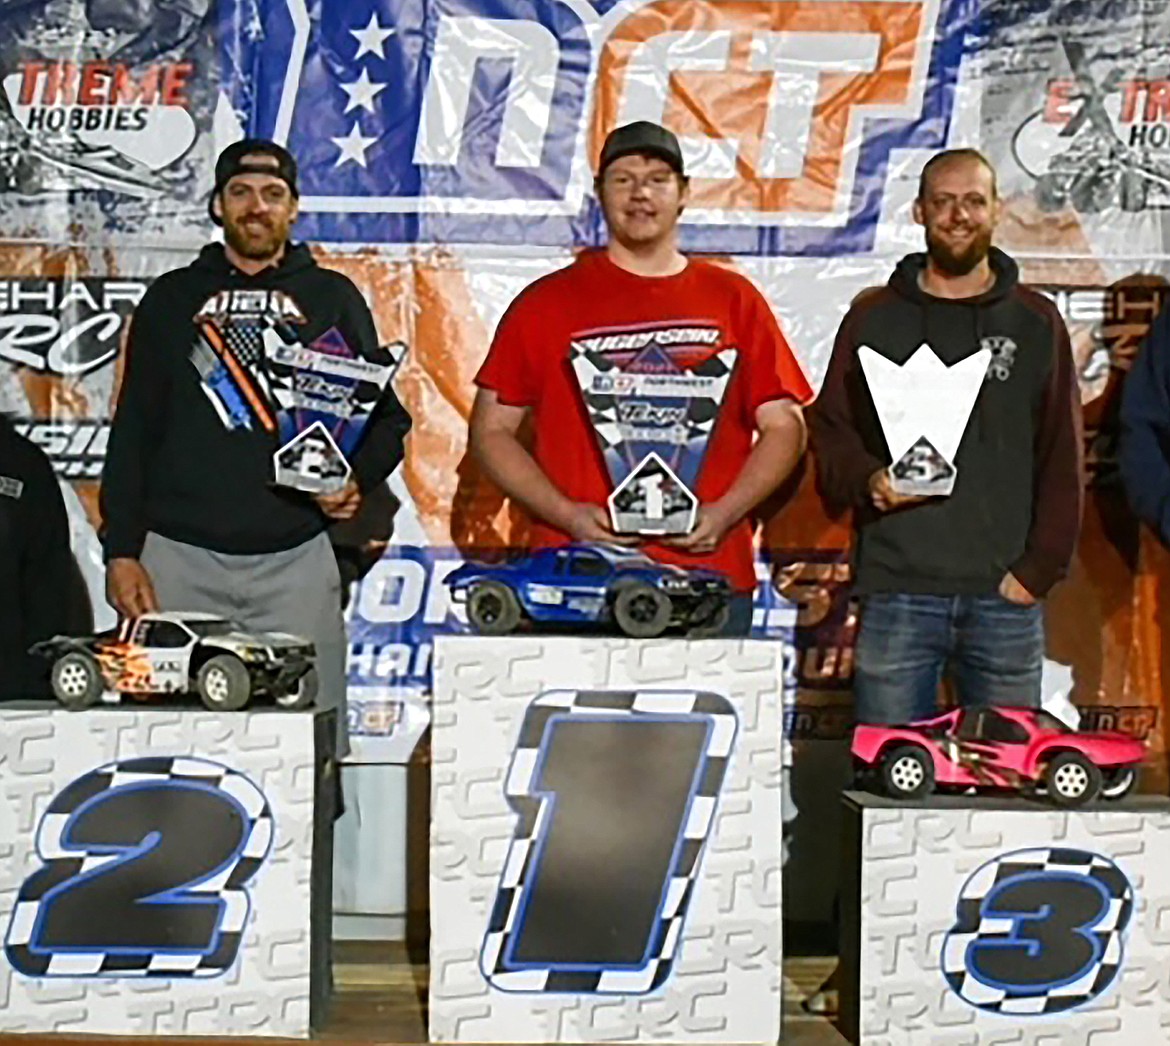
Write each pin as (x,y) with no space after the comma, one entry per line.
(1016,505)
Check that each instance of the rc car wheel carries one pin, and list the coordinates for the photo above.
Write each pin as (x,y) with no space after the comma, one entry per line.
(303,695)
(642,611)
(77,680)
(1134,192)
(713,626)
(1051,193)
(908,772)
(1091,192)
(1119,782)
(1070,779)
(224,684)
(492,608)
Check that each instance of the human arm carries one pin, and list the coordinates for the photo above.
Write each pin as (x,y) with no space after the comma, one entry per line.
(1058,486)
(776,452)
(496,444)
(1144,451)
(383,443)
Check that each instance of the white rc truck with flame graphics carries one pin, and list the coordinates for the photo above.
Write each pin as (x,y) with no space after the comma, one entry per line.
(169,653)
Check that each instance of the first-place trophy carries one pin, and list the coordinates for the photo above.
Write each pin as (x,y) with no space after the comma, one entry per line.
(653,398)
(923,407)
(324,395)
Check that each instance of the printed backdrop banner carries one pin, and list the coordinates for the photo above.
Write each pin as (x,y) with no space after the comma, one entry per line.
(447,149)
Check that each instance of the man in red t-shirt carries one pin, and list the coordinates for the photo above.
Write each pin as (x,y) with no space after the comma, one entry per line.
(640,283)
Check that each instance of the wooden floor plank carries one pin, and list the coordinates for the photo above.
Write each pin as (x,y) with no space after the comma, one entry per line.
(381,1001)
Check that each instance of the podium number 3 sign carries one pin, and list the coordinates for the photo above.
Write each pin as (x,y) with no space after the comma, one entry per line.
(1038,931)
(144,864)
(615,794)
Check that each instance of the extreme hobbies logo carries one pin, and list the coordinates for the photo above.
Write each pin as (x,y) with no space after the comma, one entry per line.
(105,124)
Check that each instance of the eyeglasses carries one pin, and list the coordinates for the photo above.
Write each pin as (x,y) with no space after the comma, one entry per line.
(655,182)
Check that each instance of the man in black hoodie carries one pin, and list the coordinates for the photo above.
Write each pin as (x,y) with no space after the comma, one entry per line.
(43,590)
(192,518)
(956,580)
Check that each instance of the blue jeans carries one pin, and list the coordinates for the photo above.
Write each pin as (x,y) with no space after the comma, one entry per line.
(993,650)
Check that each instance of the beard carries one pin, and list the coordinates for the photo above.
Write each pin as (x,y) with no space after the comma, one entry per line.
(959,263)
(255,241)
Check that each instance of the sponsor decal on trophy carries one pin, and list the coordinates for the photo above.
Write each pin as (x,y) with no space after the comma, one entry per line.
(923,407)
(652,395)
(325,394)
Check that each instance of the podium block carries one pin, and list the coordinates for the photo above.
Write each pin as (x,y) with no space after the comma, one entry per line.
(605,841)
(165,872)
(973,921)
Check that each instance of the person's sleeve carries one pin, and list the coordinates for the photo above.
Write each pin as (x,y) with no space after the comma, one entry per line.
(1058,486)
(1144,452)
(844,463)
(508,370)
(137,424)
(383,442)
(772,371)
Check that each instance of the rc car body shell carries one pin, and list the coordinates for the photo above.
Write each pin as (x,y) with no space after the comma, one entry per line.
(995,746)
(164,653)
(581,584)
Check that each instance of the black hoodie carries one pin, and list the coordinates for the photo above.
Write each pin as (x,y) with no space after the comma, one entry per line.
(1016,504)
(174,466)
(43,590)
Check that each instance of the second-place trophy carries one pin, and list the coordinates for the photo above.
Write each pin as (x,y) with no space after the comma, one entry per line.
(923,407)
(653,396)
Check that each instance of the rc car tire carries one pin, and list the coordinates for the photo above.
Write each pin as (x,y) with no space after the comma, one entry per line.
(642,611)
(302,695)
(492,608)
(1133,193)
(1050,193)
(77,680)
(713,626)
(224,684)
(907,772)
(1119,782)
(1071,779)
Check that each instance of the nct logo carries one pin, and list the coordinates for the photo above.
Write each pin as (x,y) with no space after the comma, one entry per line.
(768,96)
(788,110)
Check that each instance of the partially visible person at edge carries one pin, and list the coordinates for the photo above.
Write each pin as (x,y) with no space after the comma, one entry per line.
(38,575)
(192,519)
(640,281)
(955,582)
(1144,449)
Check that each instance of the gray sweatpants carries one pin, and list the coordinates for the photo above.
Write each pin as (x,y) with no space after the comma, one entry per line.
(297,591)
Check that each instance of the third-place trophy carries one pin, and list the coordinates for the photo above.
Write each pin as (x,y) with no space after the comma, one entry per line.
(653,397)
(923,407)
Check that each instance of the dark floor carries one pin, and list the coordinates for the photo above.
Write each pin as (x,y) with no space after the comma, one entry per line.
(380,1000)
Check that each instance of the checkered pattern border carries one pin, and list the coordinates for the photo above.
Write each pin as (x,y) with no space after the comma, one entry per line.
(699,420)
(61,864)
(683,877)
(972,925)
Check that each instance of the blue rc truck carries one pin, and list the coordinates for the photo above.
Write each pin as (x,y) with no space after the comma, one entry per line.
(590,584)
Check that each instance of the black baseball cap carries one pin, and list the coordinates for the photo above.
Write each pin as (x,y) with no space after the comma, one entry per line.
(232,161)
(641,138)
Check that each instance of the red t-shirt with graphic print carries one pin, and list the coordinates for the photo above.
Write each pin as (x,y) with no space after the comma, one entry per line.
(528,365)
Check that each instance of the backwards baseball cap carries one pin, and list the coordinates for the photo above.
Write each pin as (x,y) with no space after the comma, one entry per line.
(242,157)
(641,138)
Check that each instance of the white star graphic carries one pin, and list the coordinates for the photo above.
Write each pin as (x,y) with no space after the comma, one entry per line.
(372,38)
(362,91)
(353,146)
